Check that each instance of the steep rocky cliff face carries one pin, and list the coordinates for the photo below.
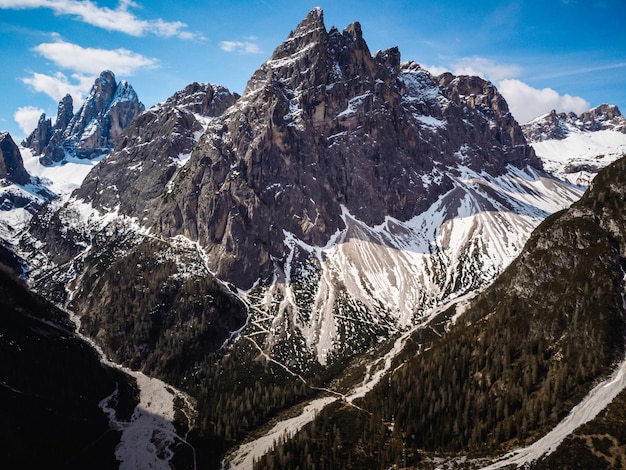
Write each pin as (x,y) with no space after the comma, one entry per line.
(11,164)
(351,192)
(137,174)
(93,130)
(323,125)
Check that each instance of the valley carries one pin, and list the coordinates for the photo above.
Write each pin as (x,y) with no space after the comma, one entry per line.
(354,264)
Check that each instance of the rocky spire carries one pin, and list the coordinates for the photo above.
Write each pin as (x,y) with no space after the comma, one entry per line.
(39,138)
(65,113)
(11,164)
(94,129)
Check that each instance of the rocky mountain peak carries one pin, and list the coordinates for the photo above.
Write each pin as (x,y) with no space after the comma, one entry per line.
(65,112)
(323,125)
(323,129)
(102,90)
(559,125)
(11,164)
(152,149)
(203,99)
(605,116)
(39,138)
(312,23)
(93,130)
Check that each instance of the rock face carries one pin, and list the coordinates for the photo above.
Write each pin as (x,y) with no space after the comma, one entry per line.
(93,130)
(11,164)
(352,192)
(323,125)
(152,149)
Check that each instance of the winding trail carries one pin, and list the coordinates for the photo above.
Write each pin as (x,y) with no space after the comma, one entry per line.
(244,456)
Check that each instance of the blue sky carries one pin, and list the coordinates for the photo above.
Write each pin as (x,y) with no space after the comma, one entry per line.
(567,55)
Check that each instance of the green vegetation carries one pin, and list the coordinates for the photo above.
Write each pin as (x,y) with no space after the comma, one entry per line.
(149,316)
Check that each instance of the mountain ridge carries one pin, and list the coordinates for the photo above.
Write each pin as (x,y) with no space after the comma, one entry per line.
(303,189)
(575,147)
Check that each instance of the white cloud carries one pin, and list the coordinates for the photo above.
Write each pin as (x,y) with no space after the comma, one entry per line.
(486,68)
(58,85)
(27,118)
(436,69)
(245,47)
(117,19)
(526,102)
(93,61)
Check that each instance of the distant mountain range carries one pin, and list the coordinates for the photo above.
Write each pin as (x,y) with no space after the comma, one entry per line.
(574,147)
(349,217)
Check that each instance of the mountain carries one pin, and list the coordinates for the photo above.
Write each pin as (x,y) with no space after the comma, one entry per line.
(265,250)
(334,166)
(20,194)
(91,261)
(93,130)
(516,361)
(574,147)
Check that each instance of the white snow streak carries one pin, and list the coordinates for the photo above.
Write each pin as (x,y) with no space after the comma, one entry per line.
(244,456)
(147,439)
(595,401)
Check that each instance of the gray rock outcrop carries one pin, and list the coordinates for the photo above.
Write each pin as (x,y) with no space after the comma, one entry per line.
(11,164)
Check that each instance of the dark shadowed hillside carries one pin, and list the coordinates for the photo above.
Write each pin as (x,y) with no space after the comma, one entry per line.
(51,383)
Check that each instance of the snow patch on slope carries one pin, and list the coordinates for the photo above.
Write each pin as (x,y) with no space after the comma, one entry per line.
(386,277)
(581,154)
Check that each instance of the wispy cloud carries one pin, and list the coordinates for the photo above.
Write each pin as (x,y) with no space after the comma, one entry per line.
(93,61)
(27,118)
(84,64)
(112,19)
(243,47)
(525,102)
(486,68)
(581,71)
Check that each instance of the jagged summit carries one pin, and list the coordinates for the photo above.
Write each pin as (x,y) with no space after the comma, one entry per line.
(575,147)
(335,166)
(555,125)
(323,129)
(152,148)
(93,130)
